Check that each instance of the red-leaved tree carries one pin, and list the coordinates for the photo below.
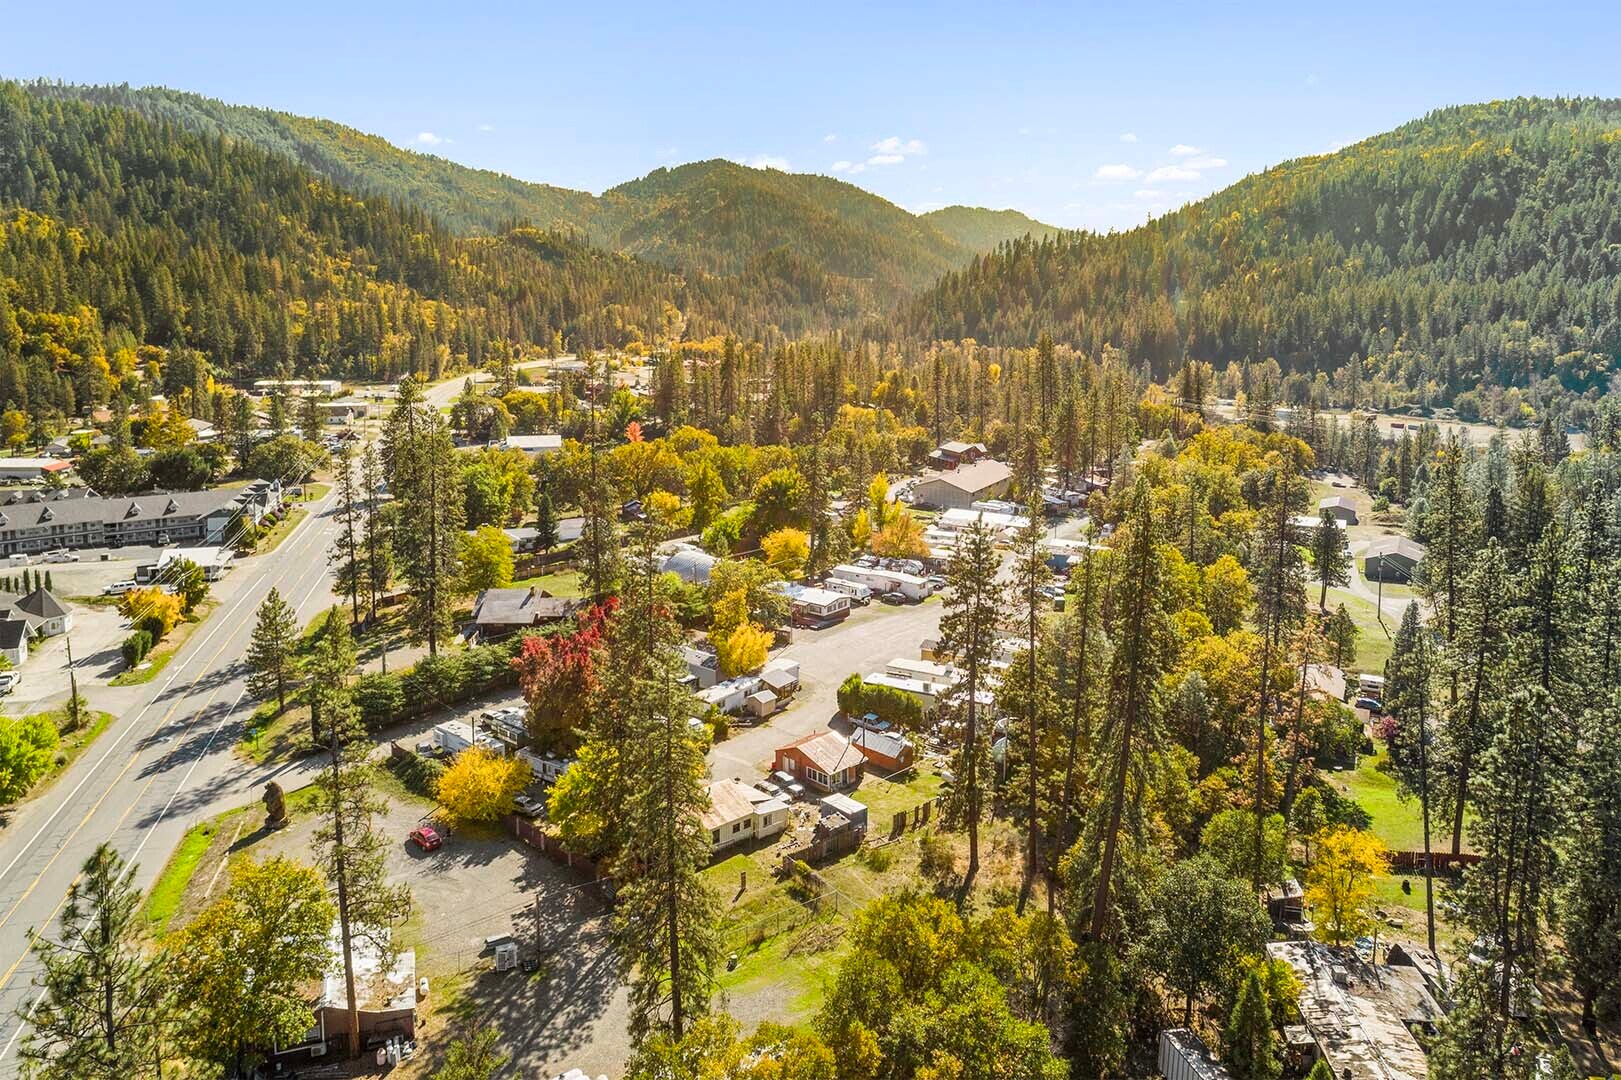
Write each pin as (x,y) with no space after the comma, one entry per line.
(558,672)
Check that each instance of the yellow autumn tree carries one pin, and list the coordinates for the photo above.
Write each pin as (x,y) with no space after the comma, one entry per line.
(787,550)
(1339,885)
(728,613)
(139,605)
(900,538)
(743,651)
(480,785)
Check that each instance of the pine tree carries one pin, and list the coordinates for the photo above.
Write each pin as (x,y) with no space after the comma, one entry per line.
(270,649)
(1474,661)
(351,852)
(1522,807)
(376,533)
(968,631)
(427,493)
(1591,913)
(664,922)
(346,549)
(545,524)
(1279,606)
(1329,556)
(102,1004)
(329,673)
(1252,1045)
(1408,675)
(1140,630)
(1083,655)
(1030,574)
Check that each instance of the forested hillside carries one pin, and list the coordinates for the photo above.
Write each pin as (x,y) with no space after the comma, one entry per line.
(1478,245)
(118,233)
(978,229)
(785,231)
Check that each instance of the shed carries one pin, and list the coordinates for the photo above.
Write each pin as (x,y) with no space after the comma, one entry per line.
(1342,508)
(843,805)
(761,703)
(1184,1056)
(780,681)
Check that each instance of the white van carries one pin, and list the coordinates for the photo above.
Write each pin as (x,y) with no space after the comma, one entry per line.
(19,559)
(857,592)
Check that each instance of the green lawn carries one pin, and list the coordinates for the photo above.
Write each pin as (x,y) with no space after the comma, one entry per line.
(280,531)
(1373,640)
(1396,821)
(886,798)
(566,584)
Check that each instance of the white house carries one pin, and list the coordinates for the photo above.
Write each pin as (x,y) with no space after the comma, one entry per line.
(738,813)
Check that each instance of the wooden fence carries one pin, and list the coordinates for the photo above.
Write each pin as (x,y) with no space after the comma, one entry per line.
(1444,862)
(549,846)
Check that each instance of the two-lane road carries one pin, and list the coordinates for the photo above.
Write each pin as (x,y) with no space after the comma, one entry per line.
(162,766)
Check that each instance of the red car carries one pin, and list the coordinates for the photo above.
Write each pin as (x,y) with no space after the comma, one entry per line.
(426,838)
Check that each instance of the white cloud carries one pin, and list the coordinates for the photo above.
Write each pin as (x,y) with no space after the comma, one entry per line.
(850,167)
(769,161)
(1116,173)
(886,159)
(1130,136)
(897,145)
(1170,172)
(486,127)
(1184,150)
(428,138)
(1024,131)
(1312,79)
(1206,161)
(830,138)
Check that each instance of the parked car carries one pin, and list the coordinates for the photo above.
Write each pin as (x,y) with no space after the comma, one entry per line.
(427,838)
(768,787)
(1373,705)
(893,598)
(529,808)
(61,555)
(119,588)
(9,681)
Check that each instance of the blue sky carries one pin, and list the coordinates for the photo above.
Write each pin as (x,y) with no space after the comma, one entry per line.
(1091,115)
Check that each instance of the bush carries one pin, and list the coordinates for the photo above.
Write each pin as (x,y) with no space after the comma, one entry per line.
(1342,810)
(937,858)
(135,647)
(380,698)
(419,774)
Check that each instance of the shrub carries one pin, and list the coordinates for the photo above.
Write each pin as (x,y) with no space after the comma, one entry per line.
(380,698)
(856,698)
(419,774)
(937,857)
(135,647)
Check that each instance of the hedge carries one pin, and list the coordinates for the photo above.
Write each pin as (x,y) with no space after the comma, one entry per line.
(856,698)
(430,683)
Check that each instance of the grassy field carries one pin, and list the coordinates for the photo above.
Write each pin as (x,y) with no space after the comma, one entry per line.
(1396,821)
(1373,640)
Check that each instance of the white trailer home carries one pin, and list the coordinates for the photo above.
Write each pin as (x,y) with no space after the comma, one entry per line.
(882,581)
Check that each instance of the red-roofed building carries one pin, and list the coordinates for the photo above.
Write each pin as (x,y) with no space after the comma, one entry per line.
(825,761)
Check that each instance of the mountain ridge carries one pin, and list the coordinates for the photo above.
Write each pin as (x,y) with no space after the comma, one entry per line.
(712,216)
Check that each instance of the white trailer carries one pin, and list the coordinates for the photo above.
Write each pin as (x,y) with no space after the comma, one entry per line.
(883,581)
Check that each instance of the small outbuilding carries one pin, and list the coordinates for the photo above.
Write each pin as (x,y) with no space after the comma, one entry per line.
(886,751)
(1342,509)
(845,807)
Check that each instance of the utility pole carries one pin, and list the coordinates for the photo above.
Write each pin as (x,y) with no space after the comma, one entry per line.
(73,684)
